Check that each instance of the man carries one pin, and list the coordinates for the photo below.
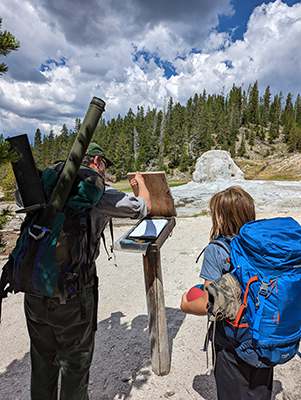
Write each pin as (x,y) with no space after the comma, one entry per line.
(62,335)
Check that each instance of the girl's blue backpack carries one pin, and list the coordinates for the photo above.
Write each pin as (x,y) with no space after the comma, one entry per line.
(266,260)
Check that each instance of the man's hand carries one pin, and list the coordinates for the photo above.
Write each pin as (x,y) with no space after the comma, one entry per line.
(139,183)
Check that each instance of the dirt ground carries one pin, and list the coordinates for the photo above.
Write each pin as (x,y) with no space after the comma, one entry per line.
(121,366)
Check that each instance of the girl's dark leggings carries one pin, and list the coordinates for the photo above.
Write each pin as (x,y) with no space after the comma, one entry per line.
(237,380)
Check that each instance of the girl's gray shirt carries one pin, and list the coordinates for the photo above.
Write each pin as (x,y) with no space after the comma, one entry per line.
(214,262)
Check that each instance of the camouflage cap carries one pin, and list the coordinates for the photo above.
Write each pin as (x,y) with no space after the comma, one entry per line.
(224,297)
(95,150)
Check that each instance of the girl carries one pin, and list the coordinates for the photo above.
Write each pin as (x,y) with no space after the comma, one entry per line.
(235,379)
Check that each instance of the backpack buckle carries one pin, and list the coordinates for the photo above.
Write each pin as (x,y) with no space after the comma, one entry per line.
(264,289)
(37,231)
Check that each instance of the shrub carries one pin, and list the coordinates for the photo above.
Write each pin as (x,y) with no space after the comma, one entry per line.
(8,184)
(4,217)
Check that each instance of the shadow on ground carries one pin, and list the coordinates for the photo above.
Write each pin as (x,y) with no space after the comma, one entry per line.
(121,359)
(122,354)
(205,386)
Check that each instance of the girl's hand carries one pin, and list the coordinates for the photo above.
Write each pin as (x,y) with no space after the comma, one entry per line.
(195,307)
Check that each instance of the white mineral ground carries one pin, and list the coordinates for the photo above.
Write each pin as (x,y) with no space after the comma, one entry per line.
(270,196)
(215,171)
(121,366)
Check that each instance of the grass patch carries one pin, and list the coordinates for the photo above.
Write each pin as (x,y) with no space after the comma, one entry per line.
(203,213)
(280,177)
(124,185)
(173,183)
(268,171)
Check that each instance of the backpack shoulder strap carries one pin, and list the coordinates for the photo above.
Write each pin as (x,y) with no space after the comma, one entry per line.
(112,243)
(221,243)
(5,282)
(199,256)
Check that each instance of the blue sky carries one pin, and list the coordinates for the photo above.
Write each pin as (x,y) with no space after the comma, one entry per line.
(237,23)
(140,53)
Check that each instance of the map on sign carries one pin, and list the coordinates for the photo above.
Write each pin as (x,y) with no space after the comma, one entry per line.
(148,229)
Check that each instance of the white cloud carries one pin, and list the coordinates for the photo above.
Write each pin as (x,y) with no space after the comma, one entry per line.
(162,40)
(269,52)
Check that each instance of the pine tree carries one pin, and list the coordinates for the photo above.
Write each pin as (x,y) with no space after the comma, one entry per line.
(45,160)
(294,138)
(298,110)
(242,147)
(275,112)
(244,109)
(235,116)
(64,142)
(262,134)
(176,135)
(37,138)
(122,155)
(143,139)
(253,105)
(266,106)
(135,145)
(197,110)
(103,136)
(252,138)
(6,154)
(132,139)
(233,150)
(225,131)
(288,117)
(161,122)
(77,125)
(168,132)
(64,132)
(52,147)
(205,128)
(189,116)
(38,148)
(8,43)
(185,160)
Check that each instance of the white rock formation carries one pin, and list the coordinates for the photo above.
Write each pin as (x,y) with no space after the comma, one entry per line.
(215,165)
(215,171)
(270,196)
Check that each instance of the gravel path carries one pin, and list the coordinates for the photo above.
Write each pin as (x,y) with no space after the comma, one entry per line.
(121,366)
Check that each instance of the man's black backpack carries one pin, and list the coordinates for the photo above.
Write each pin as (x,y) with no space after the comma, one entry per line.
(61,266)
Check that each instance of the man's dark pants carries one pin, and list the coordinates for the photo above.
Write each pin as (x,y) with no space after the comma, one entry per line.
(61,341)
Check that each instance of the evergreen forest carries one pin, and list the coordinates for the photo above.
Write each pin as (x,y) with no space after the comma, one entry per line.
(173,138)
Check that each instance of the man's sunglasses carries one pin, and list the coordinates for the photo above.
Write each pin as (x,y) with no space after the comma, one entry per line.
(104,161)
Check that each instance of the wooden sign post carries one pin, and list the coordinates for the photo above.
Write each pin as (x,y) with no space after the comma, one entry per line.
(155,228)
(160,353)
